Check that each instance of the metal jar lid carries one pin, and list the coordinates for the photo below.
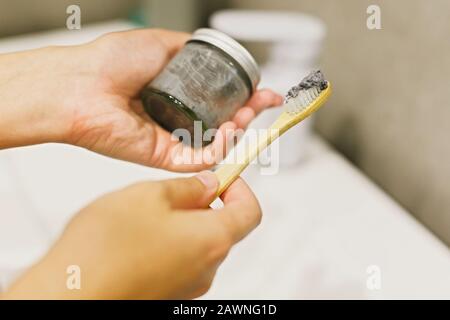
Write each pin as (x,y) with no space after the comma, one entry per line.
(233,48)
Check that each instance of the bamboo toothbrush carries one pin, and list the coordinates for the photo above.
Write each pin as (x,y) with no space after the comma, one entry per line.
(300,102)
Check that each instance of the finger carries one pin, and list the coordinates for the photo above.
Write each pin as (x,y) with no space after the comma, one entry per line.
(263,99)
(241,212)
(183,158)
(193,192)
(244,116)
(188,159)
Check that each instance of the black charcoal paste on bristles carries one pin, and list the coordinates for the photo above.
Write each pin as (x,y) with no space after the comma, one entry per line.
(314,79)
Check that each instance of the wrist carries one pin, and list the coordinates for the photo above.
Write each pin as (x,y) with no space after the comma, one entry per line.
(32,86)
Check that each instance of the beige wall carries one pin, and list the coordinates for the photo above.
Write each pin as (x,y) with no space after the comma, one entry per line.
(390,112)
(22,16)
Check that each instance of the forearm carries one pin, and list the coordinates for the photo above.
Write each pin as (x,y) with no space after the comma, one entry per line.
(30,84)
(46,280)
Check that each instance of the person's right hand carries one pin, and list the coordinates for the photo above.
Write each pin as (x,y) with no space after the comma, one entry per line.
(150,240)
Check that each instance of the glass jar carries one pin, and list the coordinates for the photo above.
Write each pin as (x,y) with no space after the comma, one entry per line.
(208,80)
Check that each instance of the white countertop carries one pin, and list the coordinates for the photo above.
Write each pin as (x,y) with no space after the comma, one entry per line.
(324,222)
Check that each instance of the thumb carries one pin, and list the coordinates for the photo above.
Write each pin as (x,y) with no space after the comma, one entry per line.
(192,193)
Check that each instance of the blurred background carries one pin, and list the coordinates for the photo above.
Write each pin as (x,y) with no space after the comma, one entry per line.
(373,166)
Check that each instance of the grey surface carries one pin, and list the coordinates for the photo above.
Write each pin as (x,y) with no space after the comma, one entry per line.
(390,108)
(24,16)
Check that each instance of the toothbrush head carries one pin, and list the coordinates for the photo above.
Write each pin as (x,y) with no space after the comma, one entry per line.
(302,96)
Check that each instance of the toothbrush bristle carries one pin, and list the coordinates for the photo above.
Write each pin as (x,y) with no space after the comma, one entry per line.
(302,101)
(302,95)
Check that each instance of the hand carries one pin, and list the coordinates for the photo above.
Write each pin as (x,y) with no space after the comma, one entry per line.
(148,241)
(88,95)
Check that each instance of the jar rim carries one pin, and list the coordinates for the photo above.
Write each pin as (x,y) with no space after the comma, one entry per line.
(231,47)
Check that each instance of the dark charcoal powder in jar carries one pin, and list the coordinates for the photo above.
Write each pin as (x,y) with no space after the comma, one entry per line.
(207,81)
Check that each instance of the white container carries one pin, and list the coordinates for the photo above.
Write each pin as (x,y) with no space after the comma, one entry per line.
(293,43)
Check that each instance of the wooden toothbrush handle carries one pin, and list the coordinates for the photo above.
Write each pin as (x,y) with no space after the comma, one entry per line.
(228,172)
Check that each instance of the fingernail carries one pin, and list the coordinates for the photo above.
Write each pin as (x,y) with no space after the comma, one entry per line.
(209,179)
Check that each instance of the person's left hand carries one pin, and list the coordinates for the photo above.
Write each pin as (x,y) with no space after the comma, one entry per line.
(151,240)
(88,96)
